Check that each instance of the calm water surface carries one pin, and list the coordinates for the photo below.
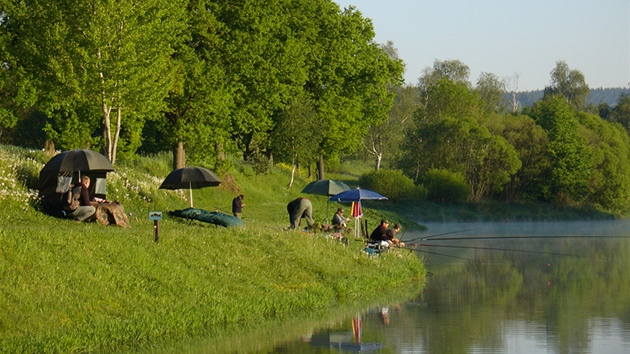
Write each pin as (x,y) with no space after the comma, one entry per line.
(541,292)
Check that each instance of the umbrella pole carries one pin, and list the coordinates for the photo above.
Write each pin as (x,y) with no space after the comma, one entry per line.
(190,189)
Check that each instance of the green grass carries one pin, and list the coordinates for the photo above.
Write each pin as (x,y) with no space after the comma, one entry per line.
(70,287)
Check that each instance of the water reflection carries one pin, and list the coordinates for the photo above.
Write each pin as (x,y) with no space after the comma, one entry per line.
(537,294)
(548,294)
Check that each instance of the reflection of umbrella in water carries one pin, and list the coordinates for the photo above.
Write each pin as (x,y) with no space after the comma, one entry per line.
(192,178)
(355,196)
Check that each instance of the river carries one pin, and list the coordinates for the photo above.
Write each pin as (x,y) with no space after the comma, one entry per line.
(512,287)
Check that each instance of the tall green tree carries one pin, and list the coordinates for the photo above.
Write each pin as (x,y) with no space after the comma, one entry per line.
(570,159)
(99,55)
(196,122)
(349,77)
(569,83)
(609,145)
(621,113)
(263,52)
(385,139)
(530,142)
(491,91)
(295,131)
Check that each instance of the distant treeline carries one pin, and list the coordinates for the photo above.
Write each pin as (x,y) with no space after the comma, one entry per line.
(610,96)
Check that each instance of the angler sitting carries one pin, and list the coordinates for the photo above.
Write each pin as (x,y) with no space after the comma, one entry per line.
(79,204)
(384,237)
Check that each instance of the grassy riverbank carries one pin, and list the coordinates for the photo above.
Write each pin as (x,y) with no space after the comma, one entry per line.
(70,287)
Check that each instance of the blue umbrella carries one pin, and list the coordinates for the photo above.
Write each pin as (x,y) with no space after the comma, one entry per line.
(356,195)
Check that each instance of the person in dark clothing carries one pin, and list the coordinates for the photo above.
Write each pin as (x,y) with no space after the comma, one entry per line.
(300,208)
(85,209)
(237,206)
(380,233)
(391,235)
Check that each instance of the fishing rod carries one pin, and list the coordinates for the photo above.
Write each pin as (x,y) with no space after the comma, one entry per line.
(516,237)
(422,238)
(445,255)
(499,249)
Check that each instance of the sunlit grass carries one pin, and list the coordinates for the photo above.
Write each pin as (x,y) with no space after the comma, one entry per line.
(78,287)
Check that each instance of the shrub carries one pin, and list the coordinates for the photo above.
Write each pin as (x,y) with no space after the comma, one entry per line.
(391,183)
(446,186)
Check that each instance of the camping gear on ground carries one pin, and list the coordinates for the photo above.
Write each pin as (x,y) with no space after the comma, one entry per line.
(192,177)
(209,217)
(65,170)
(355,196)
(109,213)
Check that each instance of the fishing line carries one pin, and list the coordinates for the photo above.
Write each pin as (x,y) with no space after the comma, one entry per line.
(516,237)
(500,249)
(437,235)
(445,255)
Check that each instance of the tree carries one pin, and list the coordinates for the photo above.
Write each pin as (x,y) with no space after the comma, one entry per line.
(293,136)
(200,101)
(621,112)
(530,142)
(570,84)
(105,55)
(570,159)
(463,145)
(349,78)
(609,145)
(491,91)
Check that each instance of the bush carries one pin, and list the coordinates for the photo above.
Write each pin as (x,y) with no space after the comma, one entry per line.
(445,186)
(393,184)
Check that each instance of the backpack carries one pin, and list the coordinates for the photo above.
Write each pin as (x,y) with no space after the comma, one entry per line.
(71,199)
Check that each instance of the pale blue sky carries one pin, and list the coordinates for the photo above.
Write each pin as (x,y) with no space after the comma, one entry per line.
(508,37)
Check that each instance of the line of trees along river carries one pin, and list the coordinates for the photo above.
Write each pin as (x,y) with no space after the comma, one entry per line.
(300,83)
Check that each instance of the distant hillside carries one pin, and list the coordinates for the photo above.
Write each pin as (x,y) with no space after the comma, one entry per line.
(596,96)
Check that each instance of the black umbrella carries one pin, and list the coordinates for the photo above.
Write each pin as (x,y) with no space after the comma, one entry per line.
(78,161)
(192,178)
(325,187)
(66,164)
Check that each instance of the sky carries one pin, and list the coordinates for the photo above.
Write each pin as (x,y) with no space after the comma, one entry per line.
(517,40)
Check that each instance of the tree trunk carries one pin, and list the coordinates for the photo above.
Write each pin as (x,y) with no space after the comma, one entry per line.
(379,157)
(320,168)
(220,152)
(116,135)
(107,131)
(179,156)
(49,146)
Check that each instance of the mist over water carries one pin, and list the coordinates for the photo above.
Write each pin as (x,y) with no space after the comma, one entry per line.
(510,287)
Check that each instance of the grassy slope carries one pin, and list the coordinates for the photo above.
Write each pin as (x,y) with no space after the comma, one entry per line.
(69,287)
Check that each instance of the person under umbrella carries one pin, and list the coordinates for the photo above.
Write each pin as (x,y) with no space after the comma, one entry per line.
(80,193)
(339,221)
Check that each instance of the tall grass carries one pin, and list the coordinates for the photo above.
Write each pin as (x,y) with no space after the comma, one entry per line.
(77,287)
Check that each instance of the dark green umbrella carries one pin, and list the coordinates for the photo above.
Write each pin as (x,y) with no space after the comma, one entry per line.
(191,178)
(325,187)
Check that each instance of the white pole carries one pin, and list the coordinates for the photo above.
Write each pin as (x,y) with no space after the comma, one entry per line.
(190,189)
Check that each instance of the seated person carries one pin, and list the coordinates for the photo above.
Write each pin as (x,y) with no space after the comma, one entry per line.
(80,193)
(338,220)
(382,234)
(391,235)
